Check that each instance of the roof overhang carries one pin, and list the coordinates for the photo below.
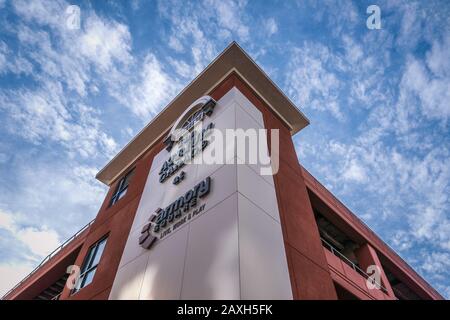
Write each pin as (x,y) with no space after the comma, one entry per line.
(232,59)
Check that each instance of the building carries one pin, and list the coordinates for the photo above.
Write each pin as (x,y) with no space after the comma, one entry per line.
(171,230)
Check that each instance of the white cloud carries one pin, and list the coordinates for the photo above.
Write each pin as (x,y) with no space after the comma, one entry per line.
(393,153)
(402,240)
(44,185)
(411,24)
(175,44)
(398,167)
(45,12)
(11,274)
(47,115)
(397,158)
(55,173)
(10,62)
(310,80)
(271,26)
(432,91)
(436,262)
(135,4)
(438,59)
(229,15)
(104,42)
(355,172)
(147,94)
(69,65)
(182,68)
(40,241)
(98,54)
(59,200)
(353,51)
(193,27)
(6,221)
(101,47)
(339,17)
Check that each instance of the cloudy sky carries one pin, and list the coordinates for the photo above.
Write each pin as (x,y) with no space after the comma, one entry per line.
(378,101)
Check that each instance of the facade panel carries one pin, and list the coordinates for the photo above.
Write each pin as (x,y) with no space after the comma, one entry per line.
(224,230)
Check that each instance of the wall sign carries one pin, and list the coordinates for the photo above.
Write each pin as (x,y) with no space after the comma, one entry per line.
(190,117)
(184,141)
(164,221)
(187,148)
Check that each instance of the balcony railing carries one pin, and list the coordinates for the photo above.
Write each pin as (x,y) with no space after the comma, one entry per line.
(336,252)
(375,237)
(57,296)
(47,258)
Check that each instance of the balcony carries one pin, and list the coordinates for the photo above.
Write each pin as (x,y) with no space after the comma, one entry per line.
(351,277)
(47,280)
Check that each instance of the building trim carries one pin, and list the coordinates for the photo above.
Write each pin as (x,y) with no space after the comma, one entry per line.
(232,59)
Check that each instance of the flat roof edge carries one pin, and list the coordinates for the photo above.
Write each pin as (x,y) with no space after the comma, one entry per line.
(232,58)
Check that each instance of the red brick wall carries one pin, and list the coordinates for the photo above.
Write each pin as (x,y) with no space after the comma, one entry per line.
(310,277)
(308,268)
(116,221)
(50,271)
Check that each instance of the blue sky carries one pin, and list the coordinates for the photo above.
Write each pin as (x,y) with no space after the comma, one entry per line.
(378,101)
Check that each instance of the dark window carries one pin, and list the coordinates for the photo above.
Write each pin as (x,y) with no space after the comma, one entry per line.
(344,294)
(90,264)
(122,187)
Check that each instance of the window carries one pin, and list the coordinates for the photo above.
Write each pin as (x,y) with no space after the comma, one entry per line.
(90,264)
(122,187)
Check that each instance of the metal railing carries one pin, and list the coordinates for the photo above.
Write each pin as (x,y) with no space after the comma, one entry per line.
(376,238)
(337,253)
(49,256)
(57,296)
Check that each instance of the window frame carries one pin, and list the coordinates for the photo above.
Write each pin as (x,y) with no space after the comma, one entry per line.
(122,187)
(88,267)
